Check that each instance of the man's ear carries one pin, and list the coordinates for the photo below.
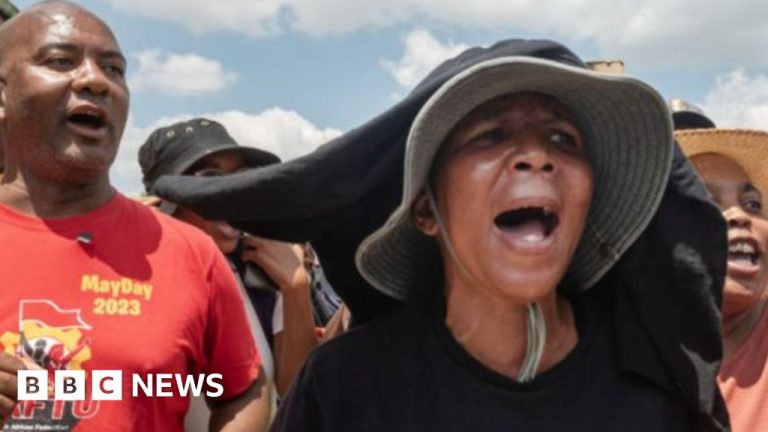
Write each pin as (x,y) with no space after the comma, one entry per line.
(423,217)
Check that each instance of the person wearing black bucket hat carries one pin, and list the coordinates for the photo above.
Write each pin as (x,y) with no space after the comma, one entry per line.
(272,273)
(620,357)
(177,149)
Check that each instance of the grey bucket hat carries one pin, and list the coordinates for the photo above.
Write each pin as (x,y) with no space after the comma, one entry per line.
(627,129)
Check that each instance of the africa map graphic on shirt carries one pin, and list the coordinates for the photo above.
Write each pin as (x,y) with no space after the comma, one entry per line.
(52,338)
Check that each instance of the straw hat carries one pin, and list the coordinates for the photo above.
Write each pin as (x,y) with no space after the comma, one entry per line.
(629,133)
(748,148)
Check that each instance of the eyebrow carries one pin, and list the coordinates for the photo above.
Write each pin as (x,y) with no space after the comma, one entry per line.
(715,189)
(107,53)
(749,187)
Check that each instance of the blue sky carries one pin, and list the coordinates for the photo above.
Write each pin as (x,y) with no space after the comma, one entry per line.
(288,75)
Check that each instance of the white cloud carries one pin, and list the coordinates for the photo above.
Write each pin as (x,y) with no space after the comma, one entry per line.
(422,53)
(655,32)
(283,132)
(260,18)
(179,74)
(739,99)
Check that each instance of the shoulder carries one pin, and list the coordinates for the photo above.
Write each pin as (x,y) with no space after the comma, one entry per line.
(373,346)
(348,377)
(174,237)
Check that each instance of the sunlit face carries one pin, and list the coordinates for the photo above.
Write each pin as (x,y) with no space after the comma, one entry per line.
(742,205)
(65,99)
(513,186)
(227,162)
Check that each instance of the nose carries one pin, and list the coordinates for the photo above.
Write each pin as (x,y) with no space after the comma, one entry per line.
(533,155)
(737,218)
(91,78)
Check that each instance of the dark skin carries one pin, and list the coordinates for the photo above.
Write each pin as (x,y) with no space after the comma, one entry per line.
(57,61)
(9,366)
(744,294)
(515,151)
(69,64)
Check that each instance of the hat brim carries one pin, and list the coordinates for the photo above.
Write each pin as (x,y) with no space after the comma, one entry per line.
(253,157)
(627,129)
(691,120)
(748,148)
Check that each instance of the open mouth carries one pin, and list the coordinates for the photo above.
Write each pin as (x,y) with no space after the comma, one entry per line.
(87,118)
(743,252)
(530,224)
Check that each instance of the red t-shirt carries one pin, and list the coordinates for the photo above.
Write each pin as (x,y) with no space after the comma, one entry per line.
(743,381)
(148,294)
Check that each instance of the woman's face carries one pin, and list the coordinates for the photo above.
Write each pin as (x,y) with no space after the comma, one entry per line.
(742,205)
(513,187)
(227,162)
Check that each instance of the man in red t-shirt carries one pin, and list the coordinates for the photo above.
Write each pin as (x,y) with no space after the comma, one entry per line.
(92,280)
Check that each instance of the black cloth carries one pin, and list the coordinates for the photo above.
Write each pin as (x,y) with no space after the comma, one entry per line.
(406,372)
(667,321)
(339,194)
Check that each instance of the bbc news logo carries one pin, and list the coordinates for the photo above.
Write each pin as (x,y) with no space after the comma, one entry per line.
(70,385)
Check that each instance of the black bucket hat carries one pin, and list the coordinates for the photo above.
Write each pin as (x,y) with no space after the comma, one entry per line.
(686,115)
(172,150)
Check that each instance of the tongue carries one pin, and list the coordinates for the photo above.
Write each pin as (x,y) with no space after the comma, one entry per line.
(742,259)
(531,231)
(83,123)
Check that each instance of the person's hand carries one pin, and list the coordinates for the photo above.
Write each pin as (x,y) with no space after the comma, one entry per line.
(9,366)
(149,200)
(282,262)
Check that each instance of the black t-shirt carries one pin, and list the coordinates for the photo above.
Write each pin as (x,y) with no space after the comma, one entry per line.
(406,372)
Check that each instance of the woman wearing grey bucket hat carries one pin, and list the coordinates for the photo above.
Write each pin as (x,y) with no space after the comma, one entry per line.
(528,181)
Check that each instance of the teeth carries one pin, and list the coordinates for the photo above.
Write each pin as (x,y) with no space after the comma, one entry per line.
(87,112)
(741,247)
(534,237)
(742,259)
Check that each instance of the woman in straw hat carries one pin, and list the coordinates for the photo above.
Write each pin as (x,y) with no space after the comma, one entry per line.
(732,166)
(539,225)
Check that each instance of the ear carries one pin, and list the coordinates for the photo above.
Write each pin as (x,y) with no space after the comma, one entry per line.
(423,217)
